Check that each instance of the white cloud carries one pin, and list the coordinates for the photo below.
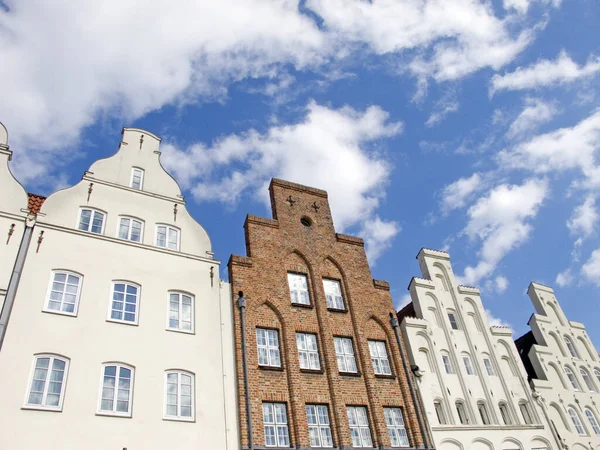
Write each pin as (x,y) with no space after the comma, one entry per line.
(499,221)
(501,284)
(545,73)
(325,142)
(591,269)
(564,278)
(584,218)
(535,113)
(446,105)
(497,322)
(456,194)
(522,6)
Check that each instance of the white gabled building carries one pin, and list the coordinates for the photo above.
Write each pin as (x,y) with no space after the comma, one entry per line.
(564,368)
(120,333)
(472,384)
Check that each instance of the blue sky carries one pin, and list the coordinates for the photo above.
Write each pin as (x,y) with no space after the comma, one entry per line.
(464,125)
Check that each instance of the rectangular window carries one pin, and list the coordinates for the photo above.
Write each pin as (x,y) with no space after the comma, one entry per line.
(453,322)
(439,412)
(308,351)
(167,237)
(483,414)
(130,229)
(179,395)
(276,425)
(468,367)
(124,302)
(333,294)
(47,382)
(447,364)
(379,358)
(462,413)
(525,413)
(117,387)
(488,366)
(267,342)
(91,220)
(181,312)
(505,414)
(319,428)
(396,428)
(359,426)
(298,288)
(63,293)
(137,178)
(344,351)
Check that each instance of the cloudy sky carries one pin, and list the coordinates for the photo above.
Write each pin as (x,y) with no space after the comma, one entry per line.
(465,125)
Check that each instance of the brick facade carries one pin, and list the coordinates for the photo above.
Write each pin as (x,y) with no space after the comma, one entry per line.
(284,244)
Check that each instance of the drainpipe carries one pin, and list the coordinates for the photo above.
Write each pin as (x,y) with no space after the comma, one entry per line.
(15,277)
(242,307)
(394,323)
(418,374)
(538,398)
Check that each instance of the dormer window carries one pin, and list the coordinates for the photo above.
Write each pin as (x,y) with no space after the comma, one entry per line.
(91,220)
(137,178)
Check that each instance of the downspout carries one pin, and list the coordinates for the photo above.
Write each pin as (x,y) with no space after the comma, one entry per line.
(15,278)
(418,374)
(242,307)
(409,374)
(538,398)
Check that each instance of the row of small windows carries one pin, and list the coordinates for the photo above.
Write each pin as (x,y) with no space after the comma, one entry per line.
(65,291)
(48,384)
(298,284)
(276,430)
(467,363)
(585,375)
(269,353)
(482,410)
(579,428)
(131,229)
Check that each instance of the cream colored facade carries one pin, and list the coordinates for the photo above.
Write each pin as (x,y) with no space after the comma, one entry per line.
(472,384)
(565,370)
(140,343)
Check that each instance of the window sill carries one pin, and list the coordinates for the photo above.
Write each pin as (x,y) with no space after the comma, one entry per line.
(317,371)
(179,419)
(175,330)
(337,310)
(385,376)
(109,414)
(273,368)
(350,374)
(59,313)
(41,408)
(302,305)
(122,322)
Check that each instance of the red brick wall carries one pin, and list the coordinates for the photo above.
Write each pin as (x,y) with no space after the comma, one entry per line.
(276,246)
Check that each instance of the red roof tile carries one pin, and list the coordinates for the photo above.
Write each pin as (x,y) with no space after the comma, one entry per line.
(34,202)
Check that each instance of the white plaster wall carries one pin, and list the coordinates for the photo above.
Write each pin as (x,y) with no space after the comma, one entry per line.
(439,289)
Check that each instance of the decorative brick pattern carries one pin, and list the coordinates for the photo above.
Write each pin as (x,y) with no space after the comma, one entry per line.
(286,244)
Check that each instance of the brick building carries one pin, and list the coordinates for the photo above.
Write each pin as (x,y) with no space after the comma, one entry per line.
(323,362)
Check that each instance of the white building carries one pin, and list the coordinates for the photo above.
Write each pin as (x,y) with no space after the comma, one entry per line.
(564,369)
(120,334)
(472,384)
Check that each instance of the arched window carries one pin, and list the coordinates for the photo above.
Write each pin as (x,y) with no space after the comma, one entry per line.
(504,412)
(577,422)
(571,347)
(467,362)
(117,389)
(572,378)
(462,412)
(591,417)
(47,387)
(447,363)
(524,407)
(439,411)
(483,413)
(587,379)
(179,395)
(597,374)
(487,362)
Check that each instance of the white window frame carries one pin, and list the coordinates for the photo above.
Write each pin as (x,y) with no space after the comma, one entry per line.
(505,413)
(180,295)
(308,351)
(489,368)
(587,379)
(593,421)
(483,413)
(131,219)
(47,380)
(571,346)
(396,425)
(572,379)
(334,300)
(461,410)
(358,421)
(379,358)
(298,285)
(168,228)
(268,347)
(438,407)
(114,412)
(67,273)
(137,302)
(468,366)
(92,215)
(345,359)
(319,429)
(447,364)
(179,405)
(576,421)
(597,374)
(452,320)
(526,413)
(142,173)
(277,424)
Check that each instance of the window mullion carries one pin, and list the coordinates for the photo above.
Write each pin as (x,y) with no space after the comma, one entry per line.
(47,380)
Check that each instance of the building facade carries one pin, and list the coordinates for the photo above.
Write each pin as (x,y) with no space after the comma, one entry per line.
(120,332)
(472,383)
(564,369)
(318,361)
